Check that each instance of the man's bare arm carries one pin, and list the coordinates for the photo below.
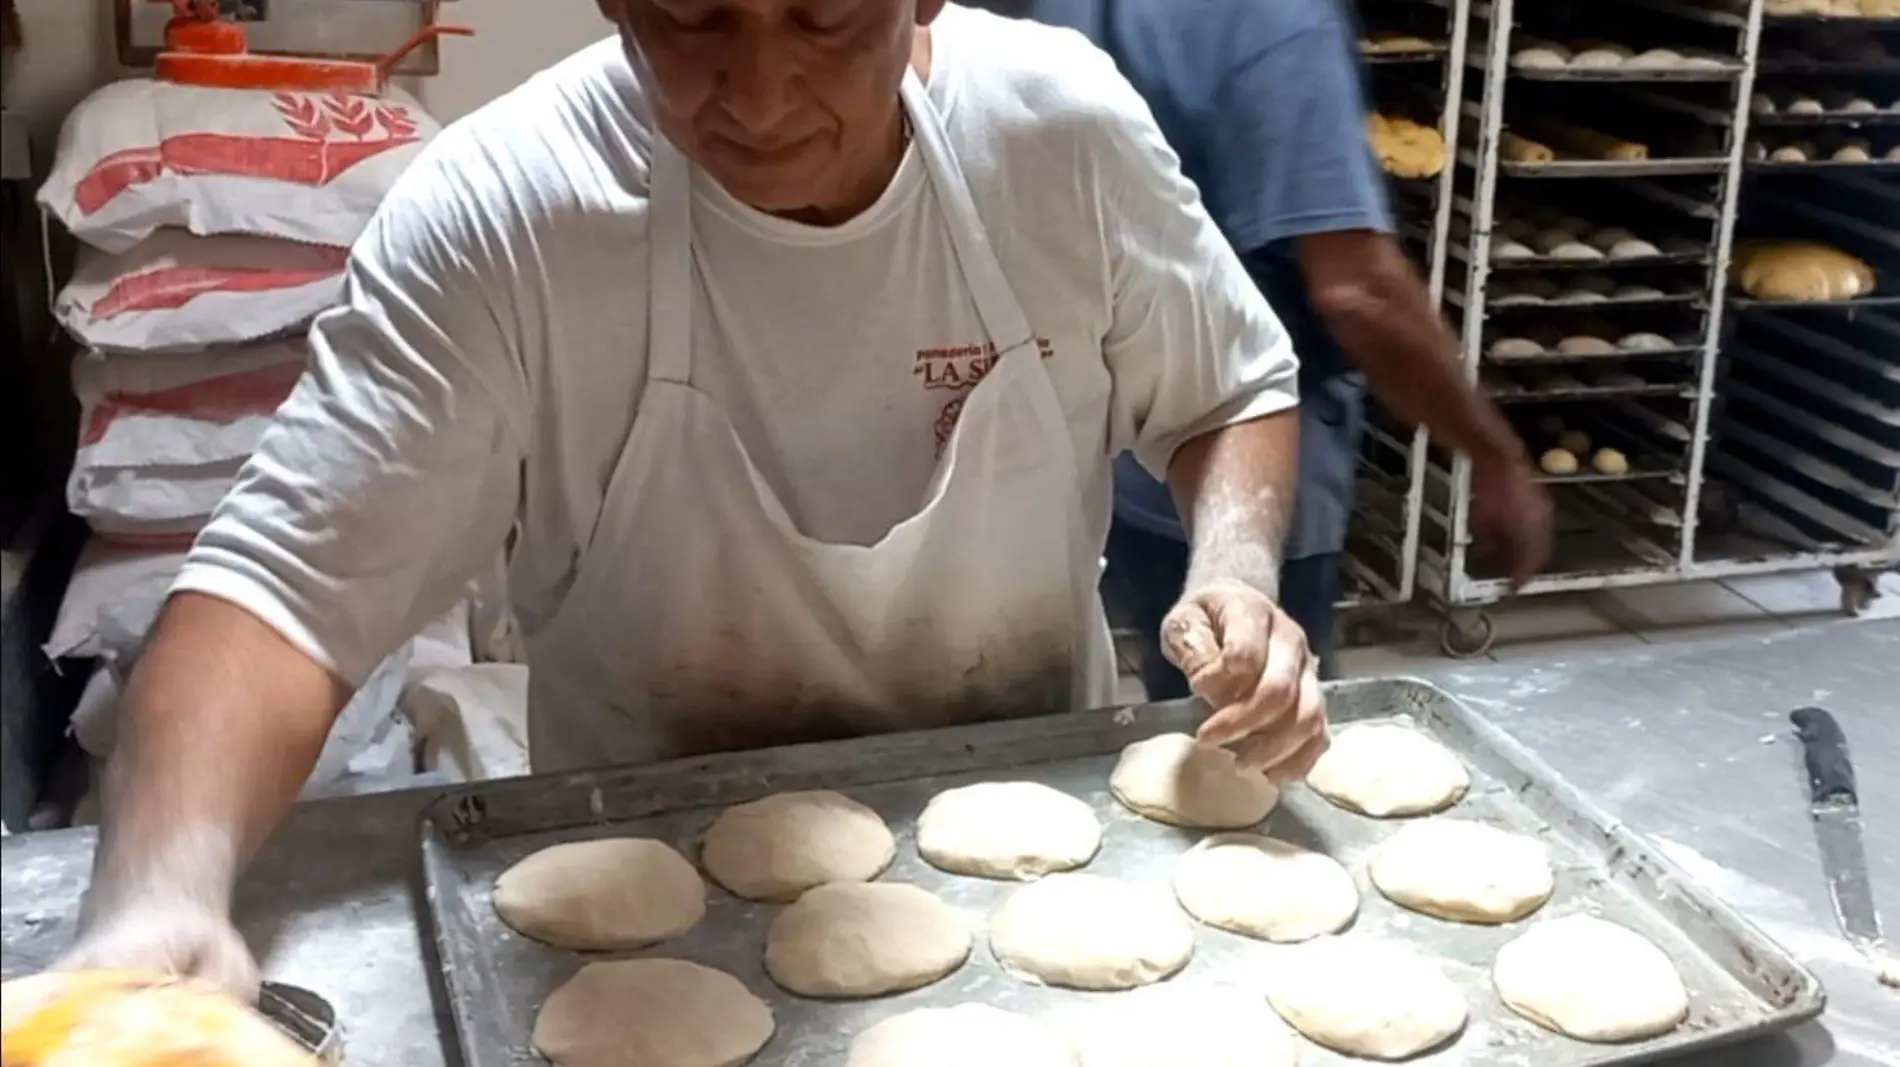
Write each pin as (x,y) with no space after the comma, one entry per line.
(220,727)
(1234,490)
(1378,309)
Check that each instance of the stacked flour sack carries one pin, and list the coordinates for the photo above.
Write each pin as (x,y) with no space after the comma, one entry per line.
(214,225)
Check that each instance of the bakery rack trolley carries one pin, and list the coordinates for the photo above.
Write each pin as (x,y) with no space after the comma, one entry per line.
(1805,433)
(1414,56)
(1593,204)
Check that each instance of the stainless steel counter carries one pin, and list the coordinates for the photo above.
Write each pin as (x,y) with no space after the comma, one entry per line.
(1689,745)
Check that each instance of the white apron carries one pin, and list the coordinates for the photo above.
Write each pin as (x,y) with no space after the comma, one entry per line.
(701,619)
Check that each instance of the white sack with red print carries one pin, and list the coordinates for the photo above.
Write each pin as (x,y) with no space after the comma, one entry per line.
(178,291)
(161,439)
(138,155)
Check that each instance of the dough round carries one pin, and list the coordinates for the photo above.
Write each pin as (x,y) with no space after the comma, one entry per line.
(1633,248)
(1575,442)
(667,1013)
(1179,781)
(1853,152)
(864,939)
(1789,153)
(776,848)
(1597,59)
(1083,931)
(1806,105)
(1610,461)
(1509,249)
(1019,830)
(1762,104)
(609,895)
(1644,342)
(1515,348)
(1558,461)
(1574,250)
(1264,888)
(1585,345)
(1367,998)
(963,1036)
(1387,770)
(1637,292)
(1169,1026)
(1657,59)
(1581,296)
(1537,59)
(1463,871)
(1592,980)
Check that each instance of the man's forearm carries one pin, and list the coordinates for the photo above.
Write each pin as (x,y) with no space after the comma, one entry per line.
(1234,489)
(1379,311)
(219,728)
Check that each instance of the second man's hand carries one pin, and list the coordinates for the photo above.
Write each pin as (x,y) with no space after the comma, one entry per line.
(1511,514)
(1250,662)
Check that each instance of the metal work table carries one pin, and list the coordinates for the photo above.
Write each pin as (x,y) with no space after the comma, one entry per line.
(1689,745)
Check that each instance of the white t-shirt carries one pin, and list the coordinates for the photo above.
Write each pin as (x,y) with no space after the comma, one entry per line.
(485,374)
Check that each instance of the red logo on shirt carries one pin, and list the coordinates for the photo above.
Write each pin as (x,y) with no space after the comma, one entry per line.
(958,369)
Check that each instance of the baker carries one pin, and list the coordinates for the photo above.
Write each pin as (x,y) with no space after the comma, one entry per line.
(784,344)
(1262,100)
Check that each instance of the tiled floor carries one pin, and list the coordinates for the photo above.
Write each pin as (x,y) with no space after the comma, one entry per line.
(1573,625)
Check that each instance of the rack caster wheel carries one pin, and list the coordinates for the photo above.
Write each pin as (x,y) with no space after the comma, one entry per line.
(1466,635)
(1858,590)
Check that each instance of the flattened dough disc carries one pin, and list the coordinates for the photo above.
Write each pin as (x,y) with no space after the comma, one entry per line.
(654,1013)
(1179,781)
(776,848)
(1083,931)
(1592,980)
(864,939)
(1463,871)
(1260,887)
(1018,830)
(613,894)
(1367,998)
(1388,770)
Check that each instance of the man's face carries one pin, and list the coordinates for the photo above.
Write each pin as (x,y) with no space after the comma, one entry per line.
(786,102)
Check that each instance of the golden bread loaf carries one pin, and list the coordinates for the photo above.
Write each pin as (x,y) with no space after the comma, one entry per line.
(1799,270)
(1406,149)
(134,1019)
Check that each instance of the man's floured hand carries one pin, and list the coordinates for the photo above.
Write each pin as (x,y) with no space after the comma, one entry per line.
(1249,661)
(178,937)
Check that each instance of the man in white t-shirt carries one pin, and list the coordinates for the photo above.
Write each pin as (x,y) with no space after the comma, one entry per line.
(785,344)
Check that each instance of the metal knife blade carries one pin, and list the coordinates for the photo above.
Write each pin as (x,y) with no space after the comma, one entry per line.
(1835,808)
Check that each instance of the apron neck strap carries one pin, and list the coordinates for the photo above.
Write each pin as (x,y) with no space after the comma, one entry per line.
(670,245)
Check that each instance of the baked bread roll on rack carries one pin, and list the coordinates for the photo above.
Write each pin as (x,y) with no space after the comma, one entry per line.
(134,1019)
(1799,271)
(1587,143)
(1516,149)
(1387,43)
(1406,149)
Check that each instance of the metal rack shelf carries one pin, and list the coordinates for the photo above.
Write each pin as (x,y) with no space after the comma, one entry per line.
(1637,526)
(1383,540)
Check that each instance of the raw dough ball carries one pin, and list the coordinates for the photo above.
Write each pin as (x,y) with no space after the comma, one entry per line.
(653,1012)
(1893,154)
(1597,59)
(1537,59)
(1515,348)
(963,1036)
(1386,770)
(1805,105)
(1551,238)
(602,896)
(776,848)
(1575,250)
(1264,888)
(1558,461)
(1168,1026)
(864,939)
(1508,249)
(1791,153)
(1656,59)
(1858,105)
(1854,152)
(1610,461)
(1463,871)
(1637,292)
(1366,998)
(1083,931)
(1704,63)
(1581,345)
(1581,296)
(1633,248)
(1609,237)
(1179,781)
(1575,442)
(1018,830)
(1644,342)
(1592,980)
(1762,104)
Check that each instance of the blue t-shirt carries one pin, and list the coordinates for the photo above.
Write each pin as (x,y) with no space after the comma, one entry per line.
(1262,101)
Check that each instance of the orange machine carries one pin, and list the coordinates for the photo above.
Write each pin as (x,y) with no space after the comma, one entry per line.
(203,49)
(133,1019)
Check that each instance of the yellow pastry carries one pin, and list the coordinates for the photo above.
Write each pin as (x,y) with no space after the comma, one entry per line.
(132,1019)
(1799,270)
(1406,149)
(1517,149)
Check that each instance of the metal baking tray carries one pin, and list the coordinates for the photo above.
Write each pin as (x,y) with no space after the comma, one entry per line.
(493,980)
(1614,168)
